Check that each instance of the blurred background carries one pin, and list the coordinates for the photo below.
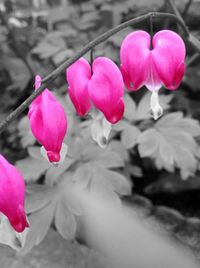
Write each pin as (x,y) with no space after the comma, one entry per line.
(159,173)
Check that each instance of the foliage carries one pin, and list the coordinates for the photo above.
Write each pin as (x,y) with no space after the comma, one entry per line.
(170,144)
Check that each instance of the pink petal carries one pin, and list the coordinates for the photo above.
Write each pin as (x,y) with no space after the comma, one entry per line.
(134,55)
(12,191)
(78,76)
(106,89)
(168,57)
(48,123)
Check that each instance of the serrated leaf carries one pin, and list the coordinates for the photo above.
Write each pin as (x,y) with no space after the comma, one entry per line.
(67,193)
(38,196)
(130,107)
(34,152)
(65,221)
(26,136)
(102,191)
(32,168)
(109,159)
(129,136)
(148,142)
(111,179)
(40,222)
(118,147)
(53,173)
(61,56)
(45,50)
(169,119)
(82,176)
(176,146)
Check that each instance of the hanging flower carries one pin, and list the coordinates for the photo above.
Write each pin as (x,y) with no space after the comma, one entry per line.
(153,63)
(12,191)
(101,87)
(48,123)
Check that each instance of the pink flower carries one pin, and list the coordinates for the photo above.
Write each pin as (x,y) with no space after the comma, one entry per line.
(163,64)
(101,86)
(12,191)
(48,123)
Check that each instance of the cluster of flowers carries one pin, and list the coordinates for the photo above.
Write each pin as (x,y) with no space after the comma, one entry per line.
(152,62)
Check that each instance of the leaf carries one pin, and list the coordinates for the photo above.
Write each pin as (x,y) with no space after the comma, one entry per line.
(129,136)
(148,142)
(109,159)
(38,196)
(118,147)
(32,168)
(53,173)
(103,192)
(26,136)
(45,50)
(171,144)
(40,222)
(113,180)
(172,183)
(82,176)
(68,194)
(130,107)
(34,152)
(61,56)
(65,221)
(134,170)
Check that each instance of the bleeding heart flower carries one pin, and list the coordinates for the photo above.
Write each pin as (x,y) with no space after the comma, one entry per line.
(101,87)
(12,190)
(153,63)
(48,123)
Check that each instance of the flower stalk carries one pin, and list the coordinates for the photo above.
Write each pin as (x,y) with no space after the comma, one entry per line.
(50,77)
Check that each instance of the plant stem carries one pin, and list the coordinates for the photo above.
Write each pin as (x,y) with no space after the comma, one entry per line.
(50,77)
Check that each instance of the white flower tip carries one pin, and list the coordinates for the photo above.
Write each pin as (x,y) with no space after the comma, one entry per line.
(63,153)
(157,112)
(100,131)
(156,109)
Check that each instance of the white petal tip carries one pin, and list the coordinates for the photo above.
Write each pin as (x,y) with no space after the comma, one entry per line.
(63,153)
(156,113)
(100,131)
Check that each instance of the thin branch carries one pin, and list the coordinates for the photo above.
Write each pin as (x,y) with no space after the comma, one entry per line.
(191,38)
(187,6)
(83,51)
(174,9)
(192,59)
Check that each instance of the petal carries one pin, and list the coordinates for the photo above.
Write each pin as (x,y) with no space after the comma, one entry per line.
(12,191)
(134,55)
(168,57)
(49,124)
(106,89)
(78,76)
(38,81)
(100,131)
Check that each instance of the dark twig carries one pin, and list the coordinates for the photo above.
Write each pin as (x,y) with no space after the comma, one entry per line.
(83,51)
(192,59)
(177,13)
(187,6)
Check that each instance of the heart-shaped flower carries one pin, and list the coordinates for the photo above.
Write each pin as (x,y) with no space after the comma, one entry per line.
(153,63)
(100,86)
